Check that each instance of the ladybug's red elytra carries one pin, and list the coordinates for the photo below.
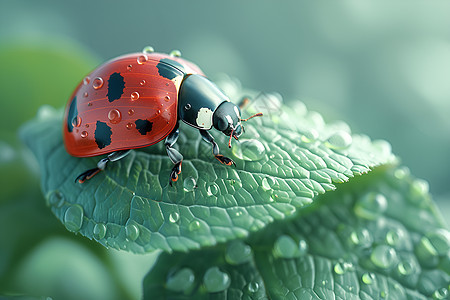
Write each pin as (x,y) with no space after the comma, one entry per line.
(137,100)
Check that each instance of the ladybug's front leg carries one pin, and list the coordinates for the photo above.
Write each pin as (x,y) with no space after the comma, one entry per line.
(223,159)
(173,154)
(101,165)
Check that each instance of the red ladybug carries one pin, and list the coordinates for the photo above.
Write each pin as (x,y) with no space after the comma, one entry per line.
(137,100)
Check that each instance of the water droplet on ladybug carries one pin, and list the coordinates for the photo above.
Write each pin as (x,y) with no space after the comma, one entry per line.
(158,111)
(90,104)
(148,49)
(176,53)
(167,84)
(76,121)
(129,67)
(143,82)
(87,125)
(130,111)
(134,96)
(130,126)
(142,59)
(97,83)
(84,134)
(114,116)
(86,80)
(167,98)
(85,94)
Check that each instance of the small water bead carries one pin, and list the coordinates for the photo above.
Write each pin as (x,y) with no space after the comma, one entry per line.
(114,116)
(76,121)
(174,217)
(341,267)
(213,189)
(310,136)
(340,140)
(130,112)
(383,256)
(148,49)
(89,103)
(368,278)
(99,231)
(285,247)
(439,240)
(194,225)
(73,217)
(361,238)
(142,82)
(56,199)
(268,183)
(130,126)
(406,268)
(253,287)
(302,247)
(142,59)
(189,184)
(371,206)
(132,232)
(249,150)
(238,253)
(175,53)
(97,83)
(130,67)
(180,281)
(85,94)
(441,293)
(215,280)
(84,134)
(166,98)
(134,96)
(86,80)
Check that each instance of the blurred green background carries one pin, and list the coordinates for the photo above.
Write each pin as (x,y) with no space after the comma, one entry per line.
(382,67)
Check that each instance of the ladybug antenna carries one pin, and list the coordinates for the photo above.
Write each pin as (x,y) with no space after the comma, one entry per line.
(255,115)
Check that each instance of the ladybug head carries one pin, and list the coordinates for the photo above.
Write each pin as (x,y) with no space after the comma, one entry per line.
(227,118)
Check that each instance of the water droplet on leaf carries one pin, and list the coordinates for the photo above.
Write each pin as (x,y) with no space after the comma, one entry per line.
(174,217)
(310,136)
(180,281)
(250,150)
(216,280)
(213,189)
(55,199)
(148,49)
(368,278)
(99,231)
(175,53)
(189,184)
(268,183)
(253,287)
(132,232)
(238,252)
(371,206)
(340,140)
(285,247)
(441,293)
(383,256)
(73,218)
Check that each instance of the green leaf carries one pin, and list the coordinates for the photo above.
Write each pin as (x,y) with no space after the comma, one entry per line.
(284,160)
(377,237)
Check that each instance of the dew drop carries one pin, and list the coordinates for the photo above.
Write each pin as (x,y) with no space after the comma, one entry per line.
(176,53)
(302,247)
(181,280)
(441,294)
(174,217)
(84,134)
(130,112)
(215,280)
(339,269)
(148,49)
(97,83)
(55,199)
(142,82)
(213,189)
(340,140)
(86,80)
(250,150)
(360,237)
(383,256)
(393,237)
(142,59)
(406,268)
(132,232)
(134,96)
(194,225)
(440,240)
(310,136)
(370,206)
(268,183)
(114,116)
(73,217)
(189,184)
(76,121)
(166,98)
(285,247)
(130,126)
(99,231)
(130,67)
(253,287)
(238,253)
(368,278)
(85,94)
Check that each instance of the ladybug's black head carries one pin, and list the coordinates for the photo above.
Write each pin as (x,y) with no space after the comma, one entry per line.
(227,118)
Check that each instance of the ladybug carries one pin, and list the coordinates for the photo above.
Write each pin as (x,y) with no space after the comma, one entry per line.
(137,100)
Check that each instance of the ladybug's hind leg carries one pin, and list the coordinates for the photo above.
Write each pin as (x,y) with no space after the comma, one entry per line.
(223,159)
(173,154)
(101,165)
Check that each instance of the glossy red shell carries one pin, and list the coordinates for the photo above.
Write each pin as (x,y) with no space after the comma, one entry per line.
(143,114)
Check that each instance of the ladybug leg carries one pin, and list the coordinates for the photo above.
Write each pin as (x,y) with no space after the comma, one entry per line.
(101,165)
(223,159)
(173,154)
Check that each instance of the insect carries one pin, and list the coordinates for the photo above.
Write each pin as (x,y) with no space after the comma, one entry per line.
(137,100)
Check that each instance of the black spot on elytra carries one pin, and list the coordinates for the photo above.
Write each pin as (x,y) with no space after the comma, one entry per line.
(143,126)
(102,135)
(116,84)
(169,69)
(73,113)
